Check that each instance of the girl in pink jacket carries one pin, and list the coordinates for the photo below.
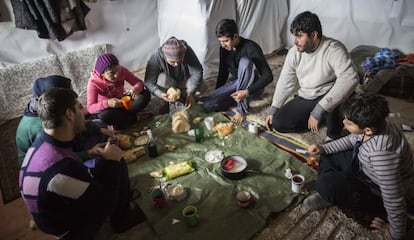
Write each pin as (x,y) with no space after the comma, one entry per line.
(106,91)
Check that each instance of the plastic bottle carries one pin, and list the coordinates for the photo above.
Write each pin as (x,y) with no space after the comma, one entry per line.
(152,147)
(199,133)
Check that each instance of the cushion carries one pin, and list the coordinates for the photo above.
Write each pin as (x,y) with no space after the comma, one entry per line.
(16,84)
(77,66)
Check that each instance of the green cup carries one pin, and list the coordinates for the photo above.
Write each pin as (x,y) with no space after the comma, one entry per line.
(190,215)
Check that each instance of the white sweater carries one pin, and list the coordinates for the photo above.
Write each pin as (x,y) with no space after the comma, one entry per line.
(328,70)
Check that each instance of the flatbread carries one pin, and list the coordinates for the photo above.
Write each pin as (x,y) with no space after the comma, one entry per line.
(141,140)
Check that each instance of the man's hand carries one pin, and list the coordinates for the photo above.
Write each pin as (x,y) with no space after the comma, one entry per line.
(268,121)
(313,124)
(315,150)
(114,103)
(238,117)
(96,150)
(238,96)
(381,227)
(107,132)
(111,152)
(189,101)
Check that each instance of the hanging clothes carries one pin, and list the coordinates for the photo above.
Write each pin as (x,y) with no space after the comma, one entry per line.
(51,19)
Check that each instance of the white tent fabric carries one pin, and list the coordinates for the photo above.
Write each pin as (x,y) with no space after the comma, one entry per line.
(195,22)
(135,29)
(128,26)
(381,23)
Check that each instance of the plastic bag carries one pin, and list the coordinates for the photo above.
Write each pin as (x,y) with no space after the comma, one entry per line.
(177,170)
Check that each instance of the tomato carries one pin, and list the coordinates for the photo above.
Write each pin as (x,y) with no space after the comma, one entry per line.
(228,164)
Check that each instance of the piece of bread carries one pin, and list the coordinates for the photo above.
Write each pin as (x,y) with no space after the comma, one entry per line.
(180,122)
(223,129)
(124,141)
(132,155)
(173,94)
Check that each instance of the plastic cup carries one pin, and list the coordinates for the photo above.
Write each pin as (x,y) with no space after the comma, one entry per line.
(209,122)
(126,102)
(253,128)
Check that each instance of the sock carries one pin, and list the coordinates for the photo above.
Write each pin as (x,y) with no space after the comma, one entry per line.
(315,202)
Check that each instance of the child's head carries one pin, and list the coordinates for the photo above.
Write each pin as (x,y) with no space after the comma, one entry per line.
(107,65)
(366,110)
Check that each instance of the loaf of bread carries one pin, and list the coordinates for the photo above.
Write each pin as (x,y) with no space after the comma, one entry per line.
(173,94)
(124,141)
(132,155)
(180,122)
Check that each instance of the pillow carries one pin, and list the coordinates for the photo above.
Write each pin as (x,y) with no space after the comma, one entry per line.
(77,66)
(16,84)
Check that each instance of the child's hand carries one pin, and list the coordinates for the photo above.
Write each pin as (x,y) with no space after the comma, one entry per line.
(134,93)
(315,150)
(114,103)
(382,227)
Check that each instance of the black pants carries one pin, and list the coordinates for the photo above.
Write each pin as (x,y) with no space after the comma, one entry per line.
(342,183)
(121,117)
(85,230)
(294,115)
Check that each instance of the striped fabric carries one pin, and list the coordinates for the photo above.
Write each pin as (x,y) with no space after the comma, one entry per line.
(387,160)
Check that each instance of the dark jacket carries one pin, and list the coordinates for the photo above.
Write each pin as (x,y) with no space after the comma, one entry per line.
(190,70)
(229,63)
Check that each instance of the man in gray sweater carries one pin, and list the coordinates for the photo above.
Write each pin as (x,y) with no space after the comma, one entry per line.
(181,66)
(320,68)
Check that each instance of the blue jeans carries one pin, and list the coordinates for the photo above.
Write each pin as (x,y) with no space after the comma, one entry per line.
(220,99)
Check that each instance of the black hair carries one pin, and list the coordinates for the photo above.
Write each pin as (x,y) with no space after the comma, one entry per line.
(53,105)
(226,28)
(366,110)
(306,22)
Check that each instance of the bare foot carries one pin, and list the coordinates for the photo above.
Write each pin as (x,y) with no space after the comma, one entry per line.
(238,117)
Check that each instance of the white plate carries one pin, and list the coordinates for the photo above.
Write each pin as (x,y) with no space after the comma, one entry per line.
(214,156)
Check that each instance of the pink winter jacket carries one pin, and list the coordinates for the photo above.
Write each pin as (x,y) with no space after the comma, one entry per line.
(100,90)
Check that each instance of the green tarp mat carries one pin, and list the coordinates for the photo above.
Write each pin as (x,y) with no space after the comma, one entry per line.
(213,194)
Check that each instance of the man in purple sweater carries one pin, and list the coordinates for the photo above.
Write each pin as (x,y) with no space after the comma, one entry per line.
(65,198)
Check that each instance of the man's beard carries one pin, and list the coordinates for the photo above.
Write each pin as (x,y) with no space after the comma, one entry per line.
(308,47)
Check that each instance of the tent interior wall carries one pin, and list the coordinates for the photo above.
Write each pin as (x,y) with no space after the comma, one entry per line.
(134,29)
